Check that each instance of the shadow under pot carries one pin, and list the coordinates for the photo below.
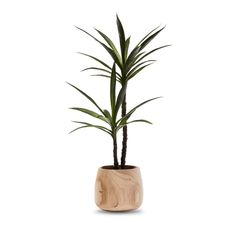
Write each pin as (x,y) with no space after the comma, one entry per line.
(118,189)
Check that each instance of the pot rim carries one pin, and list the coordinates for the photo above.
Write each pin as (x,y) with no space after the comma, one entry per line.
(111,167)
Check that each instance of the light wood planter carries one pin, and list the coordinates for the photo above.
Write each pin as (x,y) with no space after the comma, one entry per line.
(118,190)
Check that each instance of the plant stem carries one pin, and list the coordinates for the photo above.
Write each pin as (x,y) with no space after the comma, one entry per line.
(116,163)
(125,136)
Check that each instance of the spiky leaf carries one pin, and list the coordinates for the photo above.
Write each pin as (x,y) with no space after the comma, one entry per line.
(101,75)
(91,113)
(120,99)
(122,37)
(150,38)
(134,121)
(140,120)
(96,59)
(96,68)
(113,89)
(139,65)
(111,44)
(137,71)
(87,96)
(148,53)
(109,50)
(127,42)
(124,119)
(132,56)
(87,125)
(108,116)
(148,35)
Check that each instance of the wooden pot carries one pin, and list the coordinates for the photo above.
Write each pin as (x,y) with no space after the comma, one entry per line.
(118,189)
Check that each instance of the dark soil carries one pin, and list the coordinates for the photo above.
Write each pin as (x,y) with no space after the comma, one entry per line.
(124,168)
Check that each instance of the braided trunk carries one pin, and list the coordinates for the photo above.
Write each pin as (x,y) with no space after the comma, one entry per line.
(116,164)
(125,136)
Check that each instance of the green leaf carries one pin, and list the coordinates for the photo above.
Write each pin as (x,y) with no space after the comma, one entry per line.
(96,59)
(89,34)
(87,125)
(132,62)
(100,69)
(141,45)
(96,68)
(138,65)
(131,58)
(145,55)
(102,75)
(124,119)
(108,116)
(81,127)
(134,121)
(137,71)
(121,36)
(111,44)
(148,34)
(120,99)
(107,76)
(150,38)
(127,42)
(91,113)
(109,50)
(114,57)
(140,120)
(87,96)
(92,37)
(113,89)
(134,54)
(138,56)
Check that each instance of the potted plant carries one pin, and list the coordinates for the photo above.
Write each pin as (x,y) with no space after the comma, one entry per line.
(118,186)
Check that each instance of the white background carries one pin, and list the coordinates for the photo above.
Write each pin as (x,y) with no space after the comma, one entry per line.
(187,157)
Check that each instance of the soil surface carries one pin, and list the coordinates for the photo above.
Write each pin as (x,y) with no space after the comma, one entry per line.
(112,167)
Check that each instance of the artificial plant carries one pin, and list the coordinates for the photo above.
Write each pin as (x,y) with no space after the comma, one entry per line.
(129,64)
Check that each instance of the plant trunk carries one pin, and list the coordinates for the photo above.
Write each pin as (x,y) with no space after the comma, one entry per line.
(116,164)
(125,136)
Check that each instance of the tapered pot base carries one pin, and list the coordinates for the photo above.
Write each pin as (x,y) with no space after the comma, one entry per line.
(118,189)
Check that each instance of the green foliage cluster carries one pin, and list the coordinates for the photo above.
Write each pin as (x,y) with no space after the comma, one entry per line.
(129,64)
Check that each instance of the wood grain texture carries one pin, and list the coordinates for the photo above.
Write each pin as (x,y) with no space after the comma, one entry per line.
(118,190)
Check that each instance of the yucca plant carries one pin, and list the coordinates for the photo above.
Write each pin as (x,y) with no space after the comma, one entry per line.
(129,62)
(110,118)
